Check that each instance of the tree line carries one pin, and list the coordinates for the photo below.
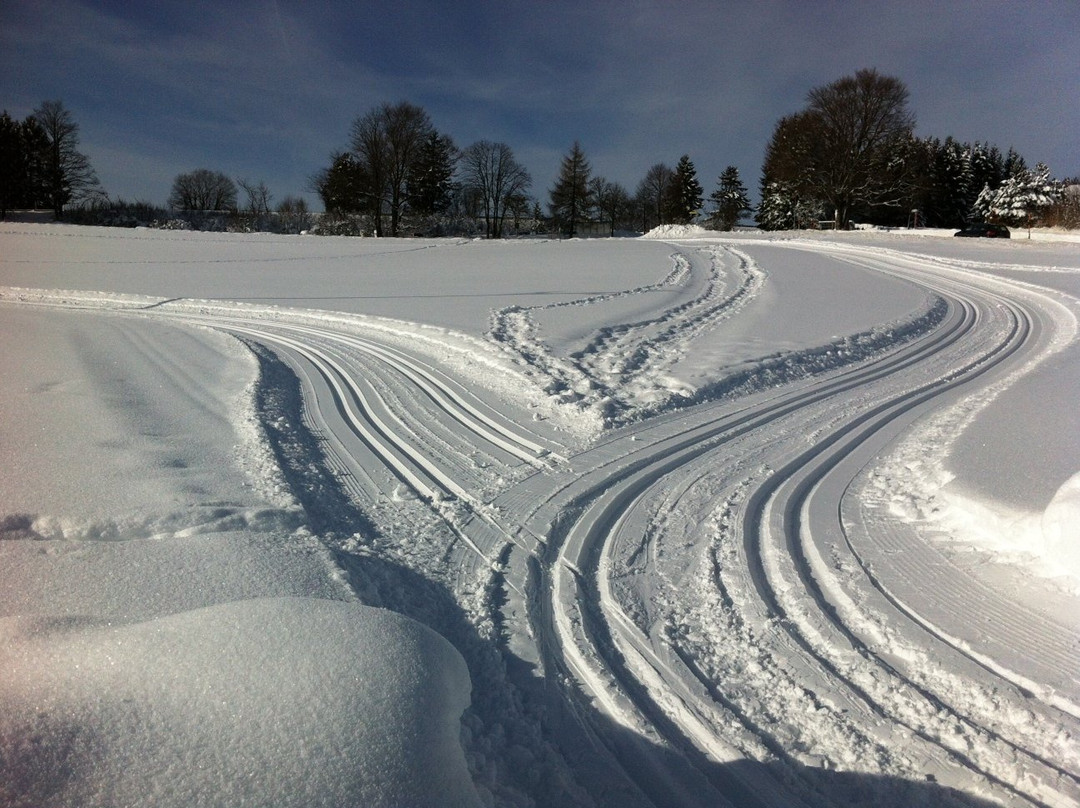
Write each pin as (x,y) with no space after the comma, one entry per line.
(849,155)
(40,163)
(399,169)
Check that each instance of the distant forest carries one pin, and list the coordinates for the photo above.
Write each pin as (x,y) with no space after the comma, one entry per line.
(850,156)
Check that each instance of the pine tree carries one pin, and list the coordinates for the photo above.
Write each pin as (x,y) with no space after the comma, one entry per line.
(944,186)
(1013,164)
(953,176)
(570,198)
(342,186)
(1023,197)
(431,177)
(730,198)
(686,192)
(782,208)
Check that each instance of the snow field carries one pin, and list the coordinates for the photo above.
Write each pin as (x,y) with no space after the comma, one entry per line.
(664,515)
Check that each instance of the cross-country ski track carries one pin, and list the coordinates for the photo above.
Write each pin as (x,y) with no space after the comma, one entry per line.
(714,603)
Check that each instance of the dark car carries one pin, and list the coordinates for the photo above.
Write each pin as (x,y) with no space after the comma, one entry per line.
(984,230)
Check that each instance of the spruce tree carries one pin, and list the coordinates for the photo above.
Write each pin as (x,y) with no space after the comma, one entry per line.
(570,198)
(730,198)
(686,192)
(1023,197)
(431,177)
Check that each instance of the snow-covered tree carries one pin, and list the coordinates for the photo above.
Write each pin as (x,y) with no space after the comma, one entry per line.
(1066,211)
(730,199)
(987,169)
(945,199)
(686,192)
(782,208)
(1022,198)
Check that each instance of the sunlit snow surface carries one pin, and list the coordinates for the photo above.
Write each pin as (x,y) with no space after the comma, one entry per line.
(549,453)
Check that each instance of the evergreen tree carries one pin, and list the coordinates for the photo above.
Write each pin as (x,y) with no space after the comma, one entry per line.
(35,148)
(341,187)
(788,198)
(570,198)
(782,208)
(987,167)
(983,205)
(1013,164)
(730,199)
(1022,199)
(686,192)
(942,183)
(431,177)
(952,178)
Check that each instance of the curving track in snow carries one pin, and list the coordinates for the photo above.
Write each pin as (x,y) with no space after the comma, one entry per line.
(714,605)
(884,687)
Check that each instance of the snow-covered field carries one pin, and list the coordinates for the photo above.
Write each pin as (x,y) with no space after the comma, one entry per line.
(691,519)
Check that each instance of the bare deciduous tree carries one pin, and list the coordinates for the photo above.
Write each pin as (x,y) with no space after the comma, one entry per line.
(848,146)
(68,176)
(387,141)
(203,189)
(611,200)
(258,196)
(490,171)
(653,193)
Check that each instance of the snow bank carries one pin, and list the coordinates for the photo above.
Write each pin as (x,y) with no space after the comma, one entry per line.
(1048,543)
(1061,528)
(285,702)
(666,231)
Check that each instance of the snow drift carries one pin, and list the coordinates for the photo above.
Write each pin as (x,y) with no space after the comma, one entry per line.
(285,702)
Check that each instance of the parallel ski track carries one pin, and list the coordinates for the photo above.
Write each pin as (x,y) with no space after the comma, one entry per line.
(583,642)
(555,546)
(616,665)
(374,423)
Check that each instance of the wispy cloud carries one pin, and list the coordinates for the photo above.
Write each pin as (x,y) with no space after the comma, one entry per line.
(267,89)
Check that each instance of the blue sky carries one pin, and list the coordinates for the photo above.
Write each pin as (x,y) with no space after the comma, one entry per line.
(267,89)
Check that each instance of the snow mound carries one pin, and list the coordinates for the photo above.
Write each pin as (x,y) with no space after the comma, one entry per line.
(284,701)
(1061,528)
(676,231)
